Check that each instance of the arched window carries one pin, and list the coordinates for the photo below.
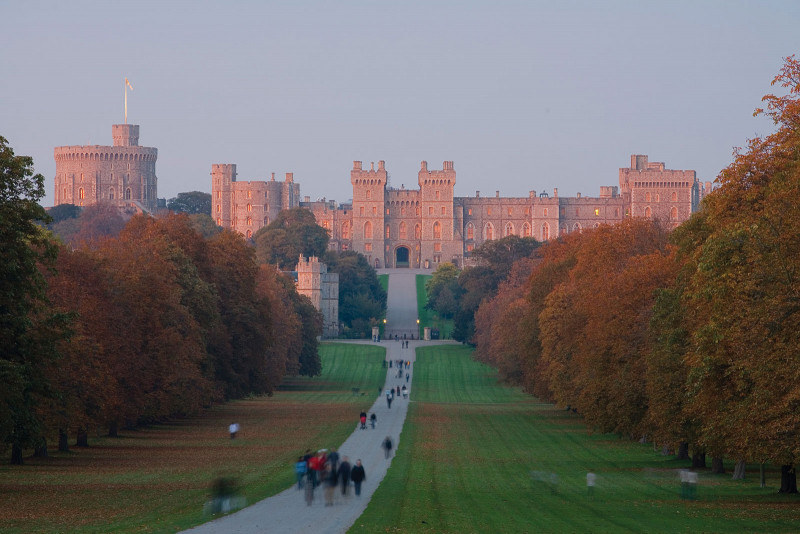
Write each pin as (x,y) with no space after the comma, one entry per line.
(387,231)
(647,197)
(647,212)
(128,194)
(509,229)
(81,194)
(545,232)
(345,230)
(437,230)
(367,230)
(249,221)
(673,213)
(249,234)
(266,221)
(488,232)
(369,194)
(577,227)
(249,206)
(526,230)
(417,232)
(417,211)
(402,211)
(111,193)
(470,231)
(403,230)
(674,196)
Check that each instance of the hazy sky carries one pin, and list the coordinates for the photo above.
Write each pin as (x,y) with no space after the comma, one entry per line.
(520,95)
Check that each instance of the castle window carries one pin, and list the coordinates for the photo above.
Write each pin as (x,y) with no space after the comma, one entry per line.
(545,232)
(417,232)
(470,247)
(219,208)
(647,197)
(437,230)
(674,196)
(374,210)
(81,194)
(369,194)
(562,211)
(526,230)
(249,194)
(597,212)
(673,213)
(444,210)
(437,247)
(387,211)
(367,230)
(387,231)
(469,211)
(81,177)
(402,211)
(219,221)
(509,229)
(128,194)
(345,231)
(528,210)
(489,211)
(470,231)
(430,210)
(361,211)
(647,212)
(488,232)
(437,195)
(111,193)
(417,211)
(545,212)
(658,197)
(249,234)
(249,221)
(576,228)
(403,230)
(249,207)
(219,195)
(367,247)
(509,211)
(266,221)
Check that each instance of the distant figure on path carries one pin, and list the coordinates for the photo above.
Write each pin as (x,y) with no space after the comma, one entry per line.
(363,419)
(387,447)
(233,429)
(591,478)
(330,481)
(358,476)
(373,419)
(300,468)
(344,474)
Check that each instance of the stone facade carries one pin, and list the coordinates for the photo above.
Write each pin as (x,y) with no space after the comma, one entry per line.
(123,174)
(423,227)
(249,206)
(322,287)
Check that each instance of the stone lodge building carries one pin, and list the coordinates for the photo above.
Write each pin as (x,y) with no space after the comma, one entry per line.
(123,175)
(422,227)
(322,288)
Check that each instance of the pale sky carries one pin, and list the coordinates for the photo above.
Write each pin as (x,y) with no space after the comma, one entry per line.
(521,95)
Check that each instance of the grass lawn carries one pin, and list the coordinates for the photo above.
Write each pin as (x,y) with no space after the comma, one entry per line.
(429,317)
(157,479)
(478,457)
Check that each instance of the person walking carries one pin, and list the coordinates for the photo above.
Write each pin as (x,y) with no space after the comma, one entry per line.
(344,474)
(233,429)
(330,482)
(357,475)
(300,468)
(387,447)
(373,419)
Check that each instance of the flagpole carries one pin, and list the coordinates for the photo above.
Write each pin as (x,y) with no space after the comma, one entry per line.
(126,100)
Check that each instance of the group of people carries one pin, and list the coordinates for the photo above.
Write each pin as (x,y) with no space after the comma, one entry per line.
(325,469)
(362,419)
(392,392)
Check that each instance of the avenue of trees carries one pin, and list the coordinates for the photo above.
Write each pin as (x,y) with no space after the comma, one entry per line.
(689,339)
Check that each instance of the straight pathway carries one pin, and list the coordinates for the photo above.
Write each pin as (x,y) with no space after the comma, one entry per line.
(288,512)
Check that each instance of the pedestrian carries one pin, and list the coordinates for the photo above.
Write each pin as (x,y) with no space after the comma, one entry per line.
(333,458)
(591,478)
(389,397)
(387,447)
(357,475)
(373,419)
(300,468)
(309,492)
(330,482)
(363,420)
(344,474)
(408,375)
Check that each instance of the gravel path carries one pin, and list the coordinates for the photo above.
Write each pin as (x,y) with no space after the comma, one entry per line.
(288,512)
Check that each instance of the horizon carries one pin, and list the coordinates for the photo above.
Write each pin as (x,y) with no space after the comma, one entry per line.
(520,96)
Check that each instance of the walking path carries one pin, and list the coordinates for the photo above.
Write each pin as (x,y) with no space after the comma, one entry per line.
(288,512)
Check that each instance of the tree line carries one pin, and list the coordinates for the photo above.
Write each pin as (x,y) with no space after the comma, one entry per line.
(687,338)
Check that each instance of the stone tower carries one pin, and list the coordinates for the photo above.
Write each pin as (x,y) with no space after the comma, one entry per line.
(322,288)
(123,174)
(369,193)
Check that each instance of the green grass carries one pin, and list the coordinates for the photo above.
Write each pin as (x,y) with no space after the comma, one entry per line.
(157,479)
(478,457)
(429,317)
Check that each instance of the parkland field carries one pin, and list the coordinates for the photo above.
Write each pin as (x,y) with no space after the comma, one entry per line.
(474,456)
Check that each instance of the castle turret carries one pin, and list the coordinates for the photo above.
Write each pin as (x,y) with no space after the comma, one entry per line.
(369,195)
(125,134)
(222,177)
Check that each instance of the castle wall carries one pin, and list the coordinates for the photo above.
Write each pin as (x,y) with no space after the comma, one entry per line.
(123,175)
(322,288)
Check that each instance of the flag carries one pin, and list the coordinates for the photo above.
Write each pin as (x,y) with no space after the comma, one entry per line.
(128,84)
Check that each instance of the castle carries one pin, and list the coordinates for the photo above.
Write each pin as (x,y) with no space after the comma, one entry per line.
(123,175)
(421,228)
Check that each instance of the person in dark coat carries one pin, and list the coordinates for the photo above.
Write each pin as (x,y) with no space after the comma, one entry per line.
(344,474)
(357,475)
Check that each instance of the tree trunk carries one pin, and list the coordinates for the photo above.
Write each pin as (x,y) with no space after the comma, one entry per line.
(40,451)
(683,451)
(717,467)
(83,438)
(16,454)
(63,443)
(738,471)
(698,460)
(113,429)
(788,479)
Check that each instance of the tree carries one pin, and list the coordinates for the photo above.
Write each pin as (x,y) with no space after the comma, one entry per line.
(362,299)
(62,212)
(293,232)
(28,329)
(442,289)
(94,223)
(193,202)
